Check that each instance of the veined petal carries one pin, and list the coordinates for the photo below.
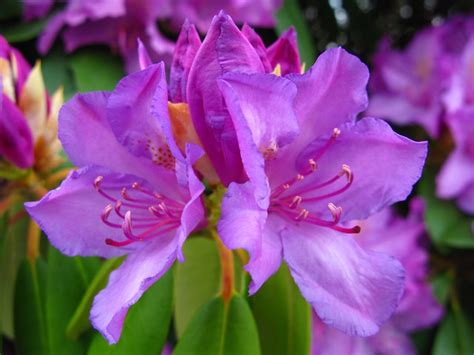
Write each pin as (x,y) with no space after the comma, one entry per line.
(244,225)
(285,53)
(350,289)
(186,48)
(16,141)
(70,215)
(331,93)
(126,285)
(260,132)
(88,139)
(225,49)
(383,166)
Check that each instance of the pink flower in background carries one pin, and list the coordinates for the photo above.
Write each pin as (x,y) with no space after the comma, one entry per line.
(407,85)
(120,23)
(456,178)
(402,238)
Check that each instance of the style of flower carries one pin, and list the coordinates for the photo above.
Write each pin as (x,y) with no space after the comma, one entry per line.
(402,238)
(311,169)
(28,117)
(134,193)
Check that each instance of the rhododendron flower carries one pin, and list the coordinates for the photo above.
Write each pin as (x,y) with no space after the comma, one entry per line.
(408,85)
(456,179)
(28,117)
(311,168)
(134,193)
(402,238)
(120,23)
(227,49)
(115,23)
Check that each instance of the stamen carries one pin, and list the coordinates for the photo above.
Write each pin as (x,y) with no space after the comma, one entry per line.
(105,215)
(302,215)
(312,165)
(296,202)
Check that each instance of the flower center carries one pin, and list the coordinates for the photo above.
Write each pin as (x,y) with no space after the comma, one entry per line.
(141,213)
(287,199)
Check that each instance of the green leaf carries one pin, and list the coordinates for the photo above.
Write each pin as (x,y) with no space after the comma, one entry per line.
(68,278)
(455,335)
(57,72)
(23,31)
(79,322)
(283,317)
(220,328)
(13,253)
(290,14)
(197,280)
(30,318)
(10,8)
(96,69)
(146,325)
(442,285)
(447,226)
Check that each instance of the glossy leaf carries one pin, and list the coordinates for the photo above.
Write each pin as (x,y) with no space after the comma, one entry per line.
(290,14)
(442,285)
(14,251)
(95,69)
(146,325)
(219,328)
(283,317)
(197,280)
(79,321)
(57,72)
(447,226)
(68,278)
(30,316)
(23,31)
(455,335)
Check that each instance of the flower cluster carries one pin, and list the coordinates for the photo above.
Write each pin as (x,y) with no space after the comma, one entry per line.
(120,23)
(297,165)
(431,83)
(28,116)
(402,238)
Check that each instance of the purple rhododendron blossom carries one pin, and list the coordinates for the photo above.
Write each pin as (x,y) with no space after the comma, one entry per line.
(311,168)
(227,49)
(134,193)
(402,238)
(115,23)
(408,84)
(120,23)
(456,179)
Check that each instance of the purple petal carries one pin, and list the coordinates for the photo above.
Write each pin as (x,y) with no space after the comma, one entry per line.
(384,167)
(50,32)
(87,138)
(33,9)
(351,289)
(258,129)
(16,140)
(70,215)
(225,49)
(257,43)
(143,56)
(331,93)
(392,341)
(126,285)
(186,48)
(466,200)
(285,52)
(243,225)
(455,176)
